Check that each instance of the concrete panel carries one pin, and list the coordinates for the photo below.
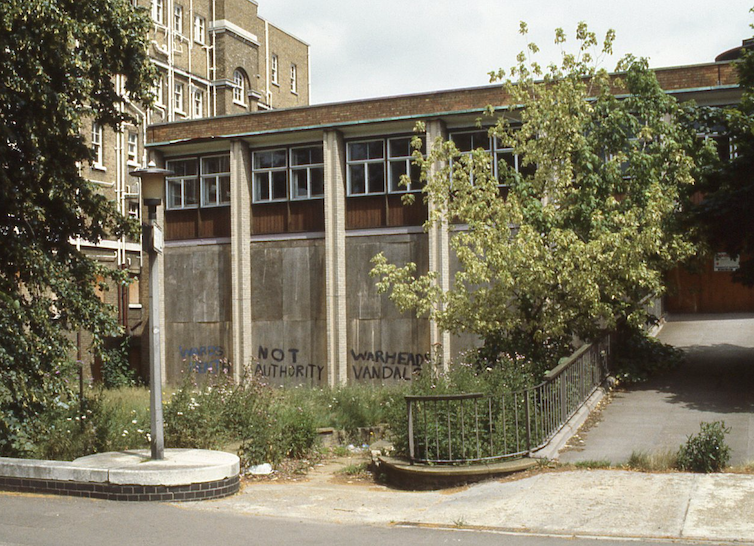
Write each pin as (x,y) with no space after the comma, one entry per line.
(197,284)
(317,289)
(178,303)
(211,284)
(289,331)
(203,347)
(384,344)
(290,352)
(296,277)
(266,286)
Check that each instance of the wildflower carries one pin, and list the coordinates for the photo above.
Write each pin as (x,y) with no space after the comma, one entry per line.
(134,421)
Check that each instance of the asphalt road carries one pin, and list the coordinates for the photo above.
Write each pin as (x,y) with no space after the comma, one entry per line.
(35,520)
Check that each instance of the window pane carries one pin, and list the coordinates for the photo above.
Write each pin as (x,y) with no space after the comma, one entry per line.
(190,193)
(219,164)
(182,167)
(507,157)
(318,155)
(376,150)
(397,169)
(376,177)
(225,189)
(358,181)
(317,181)
(358,151)
(300,184)
(416,174)
(262,160)
(482,140)
(174,194)
(210,191)
(278,158)
(300,156)
(279,181)
(400,147)
(307,156)
(262,186)
(463,142)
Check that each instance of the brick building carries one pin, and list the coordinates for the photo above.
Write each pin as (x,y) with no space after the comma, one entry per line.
(214,58)
(278,277)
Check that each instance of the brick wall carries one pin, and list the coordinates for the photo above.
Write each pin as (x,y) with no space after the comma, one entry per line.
(420,105)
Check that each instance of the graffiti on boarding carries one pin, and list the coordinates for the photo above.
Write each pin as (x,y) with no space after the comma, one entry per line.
(205,358)
(395,365)
(285,365)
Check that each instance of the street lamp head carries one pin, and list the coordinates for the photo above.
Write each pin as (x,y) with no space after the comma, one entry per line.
(152,182)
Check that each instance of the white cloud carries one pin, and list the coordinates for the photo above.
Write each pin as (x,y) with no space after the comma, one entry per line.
(363,49)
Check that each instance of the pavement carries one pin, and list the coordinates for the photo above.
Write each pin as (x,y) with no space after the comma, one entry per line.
(715,383)
(715,508)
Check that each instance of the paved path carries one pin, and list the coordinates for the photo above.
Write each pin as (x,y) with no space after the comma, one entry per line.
(599,503)
(715,383)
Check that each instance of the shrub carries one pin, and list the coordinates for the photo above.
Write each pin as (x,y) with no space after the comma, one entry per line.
(638,356)
(706,451)
(464,377)
(217,412)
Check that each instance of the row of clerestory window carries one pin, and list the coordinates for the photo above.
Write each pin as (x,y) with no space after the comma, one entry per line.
(375,166)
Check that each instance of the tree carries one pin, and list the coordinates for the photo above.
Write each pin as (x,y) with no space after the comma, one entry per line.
(724,215)
(57,67)
(584,230)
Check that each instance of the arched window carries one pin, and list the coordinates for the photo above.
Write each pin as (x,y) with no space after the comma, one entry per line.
(239,87)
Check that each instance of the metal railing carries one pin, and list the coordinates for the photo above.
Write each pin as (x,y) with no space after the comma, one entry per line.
(469,428)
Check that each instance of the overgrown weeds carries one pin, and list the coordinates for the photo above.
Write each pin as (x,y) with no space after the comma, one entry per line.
(660,461)
(593,464)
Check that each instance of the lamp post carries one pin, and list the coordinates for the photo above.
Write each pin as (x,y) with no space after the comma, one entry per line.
(152,191)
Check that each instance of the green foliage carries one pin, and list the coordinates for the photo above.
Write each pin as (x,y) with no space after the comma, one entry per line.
(107,421)
(464,377)
(218,412)
(355,469)
(725,213)
(639,356)
(116,369)
(58,66)
(583,232)
(593,464)
(707,451)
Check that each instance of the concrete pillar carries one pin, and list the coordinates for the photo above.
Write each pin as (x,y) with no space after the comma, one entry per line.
(439,254)
(335,257)
(240,254)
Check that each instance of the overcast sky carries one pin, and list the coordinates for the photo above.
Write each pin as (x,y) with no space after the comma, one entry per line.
(362,49)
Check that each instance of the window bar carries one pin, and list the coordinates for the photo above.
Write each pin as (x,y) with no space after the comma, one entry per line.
(476,428)
(515,414)
(450,445)
(505,428)
(492,441)
(463,432)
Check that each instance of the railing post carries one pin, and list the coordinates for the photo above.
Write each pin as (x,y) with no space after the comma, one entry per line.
(563,398)
(528,421)
(409,411)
